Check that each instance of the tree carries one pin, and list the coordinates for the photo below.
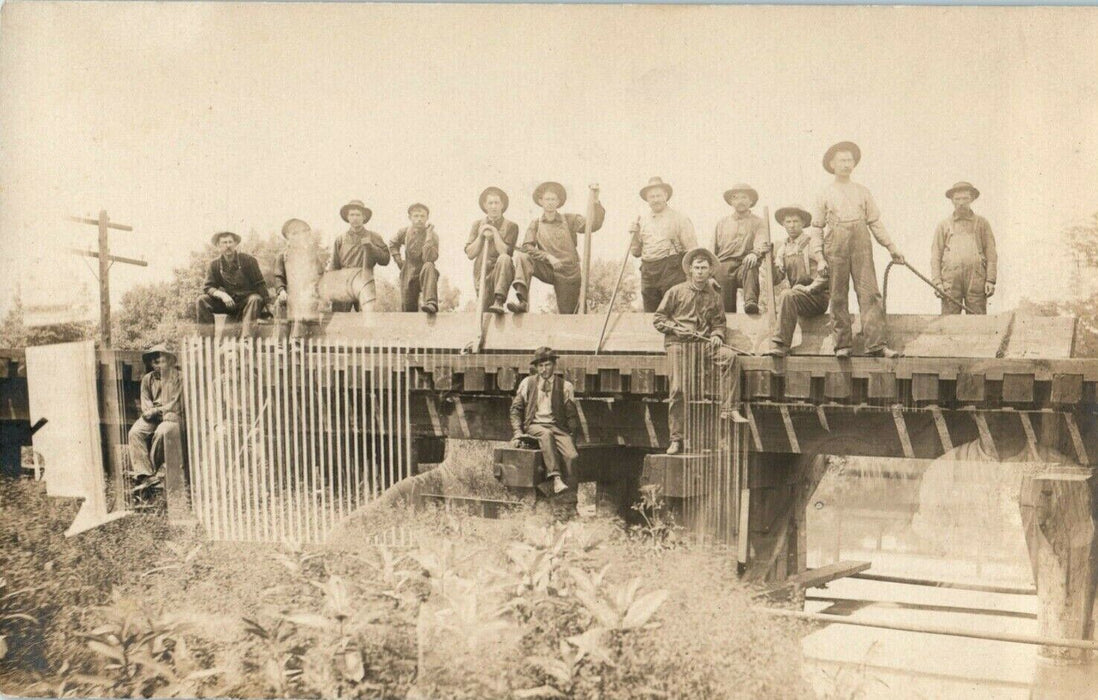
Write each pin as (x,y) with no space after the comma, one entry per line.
(603,277)
(14,333)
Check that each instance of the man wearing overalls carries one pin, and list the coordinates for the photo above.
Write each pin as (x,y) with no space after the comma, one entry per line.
(963,261)
(799,260)
(349,280)
(847,215)
(418,275)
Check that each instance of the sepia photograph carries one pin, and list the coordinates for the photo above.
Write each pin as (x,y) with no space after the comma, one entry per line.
(381,350)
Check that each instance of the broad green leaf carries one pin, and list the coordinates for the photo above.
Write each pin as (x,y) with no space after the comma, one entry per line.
(591,644)
(598,609)
(643,608)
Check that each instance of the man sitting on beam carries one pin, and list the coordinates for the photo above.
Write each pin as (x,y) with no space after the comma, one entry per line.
(544,410)
(161,411)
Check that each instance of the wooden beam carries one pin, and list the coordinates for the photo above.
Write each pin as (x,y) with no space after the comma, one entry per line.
(111,258)
(95,222)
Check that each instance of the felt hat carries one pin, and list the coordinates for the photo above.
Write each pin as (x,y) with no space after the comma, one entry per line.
(554,186)
(158,349)
(741,187)
(688,259)
(780,215)
(419,205)
(655,182)
(497,191)
(841,146)
(355,204)
(544,353)
(962,185)
(217,236)
(294,226)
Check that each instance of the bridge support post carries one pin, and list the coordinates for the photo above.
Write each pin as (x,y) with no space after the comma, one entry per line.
(780,487)
(1060,516)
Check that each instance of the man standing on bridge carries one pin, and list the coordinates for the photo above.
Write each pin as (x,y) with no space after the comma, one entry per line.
(800,260)
(659,239)
(417,273)
(963,261)
(549,250)
(349,281)
(847,215)
(234,285)
(692,314)
(544,409)
(738,245)
(501,237)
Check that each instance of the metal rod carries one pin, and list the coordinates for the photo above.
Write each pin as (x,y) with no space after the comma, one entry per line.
(935,629)
(482,293)
(617,285)
(945,584)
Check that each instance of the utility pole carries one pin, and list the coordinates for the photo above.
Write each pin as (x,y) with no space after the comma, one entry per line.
(105,260)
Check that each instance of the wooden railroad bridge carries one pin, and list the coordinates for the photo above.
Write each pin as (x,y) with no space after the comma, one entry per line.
(1007,384)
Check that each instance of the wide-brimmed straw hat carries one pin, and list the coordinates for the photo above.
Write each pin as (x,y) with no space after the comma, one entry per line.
(688,259)
(841,146)
(217,236)
(962,185)
(554,186)
(741,187)
(544,353)
(780,215)
(503,198)
(355,204)
(294,226)
(656,183)
(158,349)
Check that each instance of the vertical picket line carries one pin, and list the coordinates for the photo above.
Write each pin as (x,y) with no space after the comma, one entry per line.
(209,444)
(372,436)
(294,411)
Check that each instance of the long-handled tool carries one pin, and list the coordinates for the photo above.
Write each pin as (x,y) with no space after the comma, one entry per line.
(585,269)
(482,291)
(683,330)
(941,292)
(614,296)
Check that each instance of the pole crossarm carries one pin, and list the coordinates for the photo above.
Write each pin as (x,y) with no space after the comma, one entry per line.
(95,222)
(111,258)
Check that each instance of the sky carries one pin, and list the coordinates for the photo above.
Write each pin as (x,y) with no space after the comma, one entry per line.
(183,119)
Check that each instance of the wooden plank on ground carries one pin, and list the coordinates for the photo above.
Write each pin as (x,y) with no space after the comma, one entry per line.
(814,578)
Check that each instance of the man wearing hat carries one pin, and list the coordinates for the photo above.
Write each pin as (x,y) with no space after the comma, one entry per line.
(800,260)
(659,239)
(692,312)
(234,285)
(500,236)
(349,281)
(417,273)
(549,250)
(963,261)
(544,409)
(738,244)
(161,410)
(847,215)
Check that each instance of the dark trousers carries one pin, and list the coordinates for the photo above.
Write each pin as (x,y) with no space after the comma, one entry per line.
(657,276)
(793,303)
(566,286)
(849,252)
(689,363)
(414,281)
(558,450)
(246,310)
(733,275)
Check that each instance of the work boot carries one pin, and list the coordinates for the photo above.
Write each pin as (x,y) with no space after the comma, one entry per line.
(751,308)
(733,414)
(675,447)
(517,307)
(842,353)
(497,306)
(558,485)
(884,352)
(776,351)
(429,308)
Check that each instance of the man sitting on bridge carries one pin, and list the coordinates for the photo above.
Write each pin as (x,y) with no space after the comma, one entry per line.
(349,281)
(549,250)
(544,410)
(500,236)
(800,260)
(417,273)
(161,411)
(692,312)
(234,285)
